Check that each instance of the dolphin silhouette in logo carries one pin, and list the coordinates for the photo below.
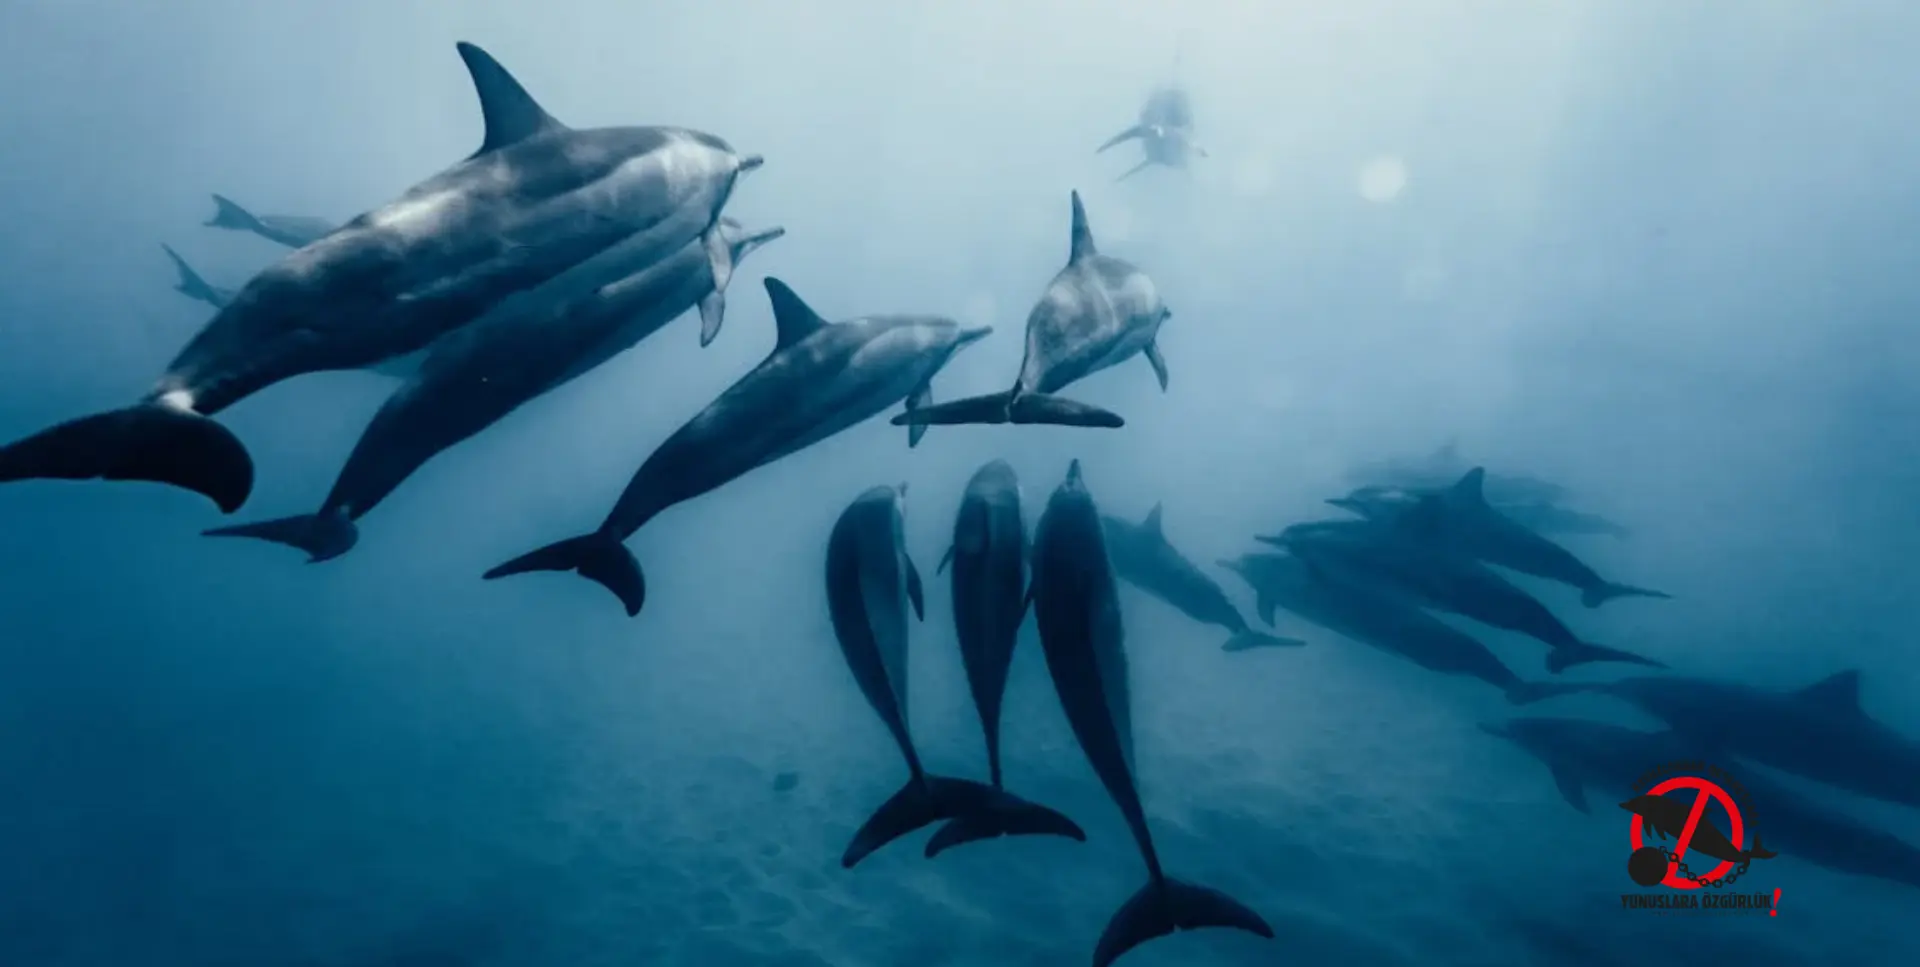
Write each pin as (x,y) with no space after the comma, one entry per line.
(1668,817)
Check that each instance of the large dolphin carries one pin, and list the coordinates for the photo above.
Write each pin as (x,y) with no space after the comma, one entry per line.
(1444,466)
(1098,311)
(536,199)
(1165,131)
(870,582)
(293,231)
(1144,558)
(192,286)
(1582,753)
(989,561)
(1380,621)
(1382,556)
(1077,608)
(1379,502)
(526,346)
(822,377)
(1460,517)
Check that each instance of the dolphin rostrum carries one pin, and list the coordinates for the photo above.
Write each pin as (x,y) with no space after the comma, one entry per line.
(1098,311)
(870,582)
(527,345)
(1165,131)
(989,561)
(293,231)
(538,198)
(1144,558)
(821,378)
(1077,608)
(193,286)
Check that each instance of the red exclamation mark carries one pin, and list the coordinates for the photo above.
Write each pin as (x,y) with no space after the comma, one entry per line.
(1776,903)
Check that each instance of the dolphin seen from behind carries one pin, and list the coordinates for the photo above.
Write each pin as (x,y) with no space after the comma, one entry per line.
(1165,131)
(1144,558)
(1077,607)
(870,582)
(820,379)
(536,199)
(1097,312)
(524,347)
(293,231)
(193,286)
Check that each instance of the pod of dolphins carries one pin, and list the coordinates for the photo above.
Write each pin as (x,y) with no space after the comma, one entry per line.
(551,249)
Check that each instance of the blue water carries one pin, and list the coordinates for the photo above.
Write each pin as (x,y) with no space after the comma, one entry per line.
(1661,253)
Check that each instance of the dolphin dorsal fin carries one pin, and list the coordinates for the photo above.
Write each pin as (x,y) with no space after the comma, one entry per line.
(1839,692)
(510,114)
(1152,523)
(793,319)
(1083,246)
(1471,488)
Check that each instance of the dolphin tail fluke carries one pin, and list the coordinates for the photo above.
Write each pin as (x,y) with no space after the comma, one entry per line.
(1760,852)
(1561,659)
(230,215)
(1167,905)
(1600,594)
(1250,639)
(1527,693)
(923,801)
(1137,131)
(1060,411)
(324,536)
(191,284)
(599,557)
(153,442)
(1136,169)
(1002,814)
(984,410)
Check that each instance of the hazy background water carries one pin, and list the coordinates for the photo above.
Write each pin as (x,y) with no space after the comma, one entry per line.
(1659,252)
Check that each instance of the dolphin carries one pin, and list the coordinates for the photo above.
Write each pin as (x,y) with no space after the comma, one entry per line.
(1668,817)
(1077,607)
(524,347)
(537,198)
(1379,502)
(293,231)
(1097,312)
(1460,517)
(1581,753)
(193,286)
(1381,556)
(821,378)
(870,582)
(1444,466)
(1144,558)
(1380,621)
(1165,131)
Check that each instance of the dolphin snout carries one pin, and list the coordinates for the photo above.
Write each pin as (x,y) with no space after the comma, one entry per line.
(1344,503)
(970,336)
(750,163)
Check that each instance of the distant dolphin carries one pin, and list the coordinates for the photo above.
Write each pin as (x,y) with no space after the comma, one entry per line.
(1077,607)
(870,581)
(538,198)
(989,560)
(1461,518)
(1444,466)
(821,378)
(293,231)
(1097,312)
(1165,131)
(1668,817)
(1380,621)
(1143,557)
(1379,502)
(193,286)
(524,347)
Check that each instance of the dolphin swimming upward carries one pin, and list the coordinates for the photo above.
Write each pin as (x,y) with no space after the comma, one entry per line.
(1165,132)
(1098,312)
(538,198)
(1077,607)
(293,231)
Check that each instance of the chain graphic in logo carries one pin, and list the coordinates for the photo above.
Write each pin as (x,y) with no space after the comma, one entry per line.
(1680,805)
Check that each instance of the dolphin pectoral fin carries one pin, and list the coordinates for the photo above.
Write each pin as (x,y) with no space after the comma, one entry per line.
(945,559)
(921,399)
(323,536)
(229,214)
(1596,596)
(1570,788)
(598,557)
(713,305)
(916,592)
(1166,905)
(1561,659)
(1157,361)
(1136,169)
(153,442)
(1060,411)
(989,409)
(923,801)
(1003,814)
(1250,639)
(713,313)
(1137,131)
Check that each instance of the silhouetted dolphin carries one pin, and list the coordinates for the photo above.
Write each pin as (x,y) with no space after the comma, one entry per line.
(1097,312)
(1380,621)
(1165,131)
(1668,817)
(1613,759)
(293,231)
(1460,517)
(1143,557)
(989,560)
(821,378)
(538,198)
(870,581)
(1383,556)
(193,286)
(1444,466)
(1077,608)
(524,347)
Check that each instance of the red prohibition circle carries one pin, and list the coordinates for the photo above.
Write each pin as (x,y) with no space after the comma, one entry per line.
(1708,791)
